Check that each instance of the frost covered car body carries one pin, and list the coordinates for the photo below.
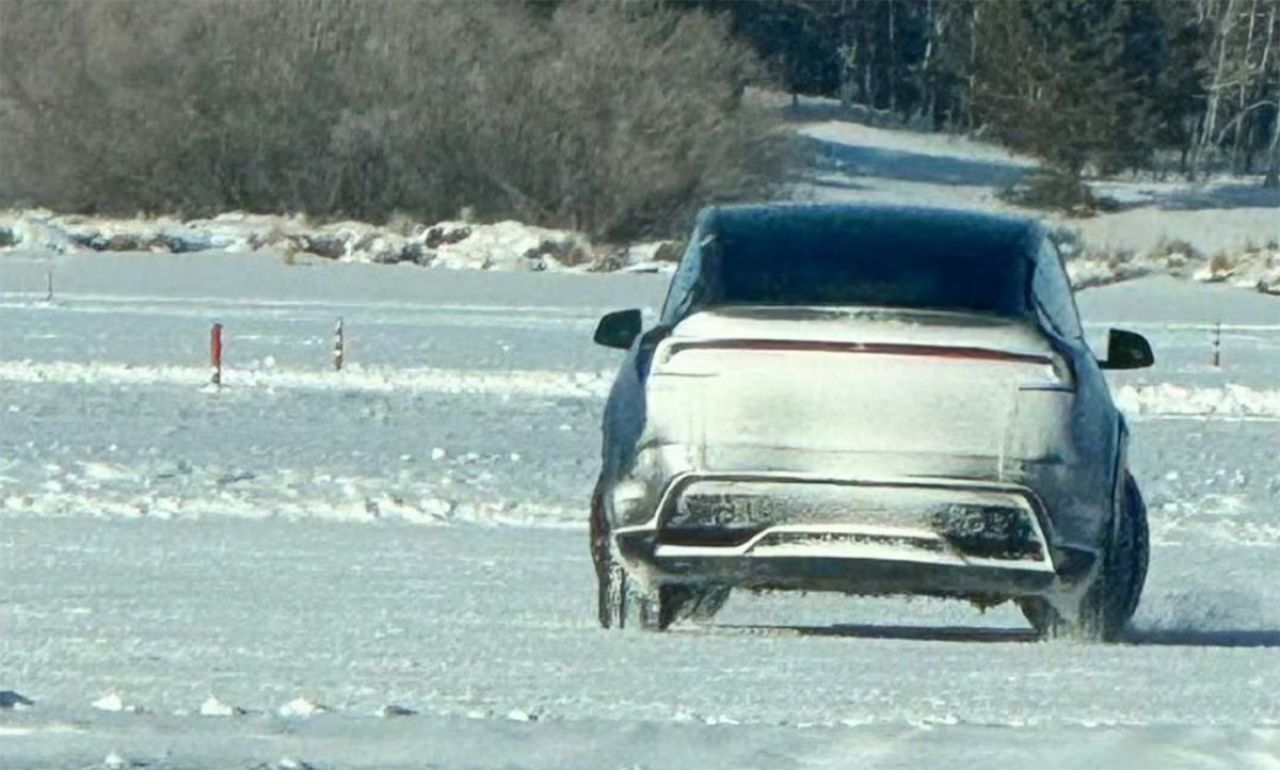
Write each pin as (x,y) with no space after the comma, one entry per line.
(867,399)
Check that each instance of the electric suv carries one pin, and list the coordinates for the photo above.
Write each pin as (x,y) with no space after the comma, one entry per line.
(871,400)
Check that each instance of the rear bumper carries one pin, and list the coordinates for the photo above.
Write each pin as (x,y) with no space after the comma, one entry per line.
(860,575)
(881,536)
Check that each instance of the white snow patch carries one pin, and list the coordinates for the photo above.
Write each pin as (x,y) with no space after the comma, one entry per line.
(14,732)
(866,156)
(913,144)
(284,494)
(1169,400)
(354,379)
(109,702)
(301,707)
(1256,269)
(506,245)
(114,760)
(216,708)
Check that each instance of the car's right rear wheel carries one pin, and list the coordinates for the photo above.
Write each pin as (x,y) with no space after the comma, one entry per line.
(1110,602)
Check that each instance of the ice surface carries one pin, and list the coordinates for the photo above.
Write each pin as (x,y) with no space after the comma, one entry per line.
(160,542)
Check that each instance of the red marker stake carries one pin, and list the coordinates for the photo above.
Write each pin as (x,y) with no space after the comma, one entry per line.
(215,354)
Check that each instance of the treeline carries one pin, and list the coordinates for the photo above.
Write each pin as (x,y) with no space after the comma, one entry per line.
(615,117)
(1192,85)
(612,118)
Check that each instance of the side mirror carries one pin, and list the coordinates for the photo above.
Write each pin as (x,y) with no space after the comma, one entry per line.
(1127,350)
(619,330)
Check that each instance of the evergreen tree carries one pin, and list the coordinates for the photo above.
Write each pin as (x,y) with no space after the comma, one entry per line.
(1057,79)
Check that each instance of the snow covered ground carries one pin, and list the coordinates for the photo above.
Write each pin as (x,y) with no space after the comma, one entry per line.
(387,567)
(860,162)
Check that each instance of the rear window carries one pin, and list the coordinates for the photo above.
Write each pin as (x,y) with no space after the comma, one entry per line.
(868,265)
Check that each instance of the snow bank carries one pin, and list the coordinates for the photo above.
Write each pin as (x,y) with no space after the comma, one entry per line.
(513,246)
(354,379)
(1170,400)
(1250,267)
(213,707)
(301,707)
(1258,269)
(504,245)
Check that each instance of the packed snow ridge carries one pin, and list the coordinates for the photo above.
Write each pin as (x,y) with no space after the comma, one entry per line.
(1251,267)
(514,246)
(506,245)
(354,379)
(1229,401)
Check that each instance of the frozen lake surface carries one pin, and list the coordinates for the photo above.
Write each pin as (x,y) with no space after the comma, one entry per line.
(411,533)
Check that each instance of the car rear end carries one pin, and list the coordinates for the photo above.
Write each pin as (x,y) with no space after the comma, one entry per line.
(859,449)
(863,402)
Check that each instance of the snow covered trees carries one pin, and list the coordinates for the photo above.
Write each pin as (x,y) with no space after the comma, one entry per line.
(1067,81)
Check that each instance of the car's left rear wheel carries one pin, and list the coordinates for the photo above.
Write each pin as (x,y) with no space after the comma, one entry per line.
(620,602)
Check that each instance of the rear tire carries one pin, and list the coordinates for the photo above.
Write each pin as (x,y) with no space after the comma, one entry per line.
(619,601)
(622,605)
(1113,598)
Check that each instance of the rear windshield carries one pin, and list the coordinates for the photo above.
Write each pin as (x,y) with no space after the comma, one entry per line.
(802,266)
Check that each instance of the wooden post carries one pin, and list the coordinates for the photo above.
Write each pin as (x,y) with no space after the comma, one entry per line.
(215,354)
(339,346)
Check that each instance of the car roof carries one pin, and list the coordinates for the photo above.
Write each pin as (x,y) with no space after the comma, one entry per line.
(886,226)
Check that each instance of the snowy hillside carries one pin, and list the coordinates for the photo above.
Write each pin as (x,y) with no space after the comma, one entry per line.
(387,567)
(1170,227)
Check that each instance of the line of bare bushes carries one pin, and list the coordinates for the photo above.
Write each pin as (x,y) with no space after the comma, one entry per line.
(614,118)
